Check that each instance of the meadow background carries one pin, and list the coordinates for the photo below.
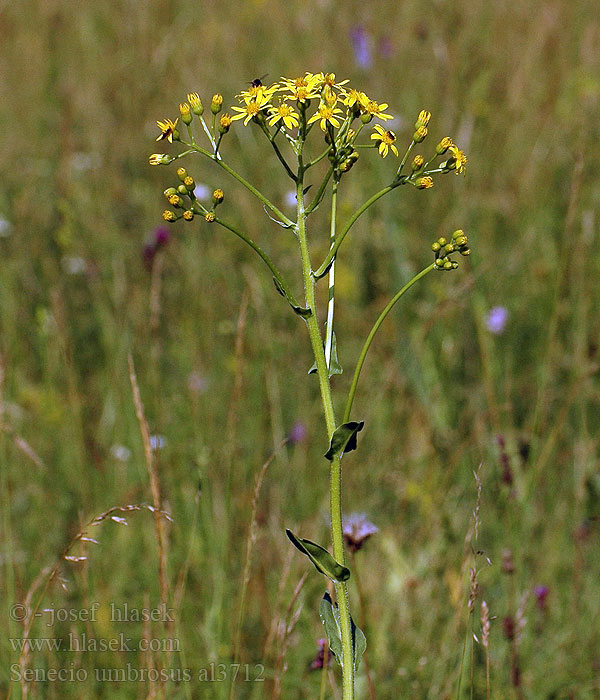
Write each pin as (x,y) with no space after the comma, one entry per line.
(221,362)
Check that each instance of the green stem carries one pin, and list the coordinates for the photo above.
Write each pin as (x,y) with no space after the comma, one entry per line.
(278,153)
(322,271)
(246,184)
(276,274)
(336,472)
(321,191)
(369,340)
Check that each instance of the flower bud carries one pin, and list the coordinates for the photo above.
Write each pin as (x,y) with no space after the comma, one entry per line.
(169,191)
(196,103)
(209,217)
(169,216)
(366,117)
(217,196)
(423,119)
(160,159)
(175,200)
(442,241)
(224,123)
(216,103)
(417,164)
(189,183)
(186,113)
(424,183)
(435,247)
(188,214)
(181,173)
(443,145)
(182,189)
(420,134)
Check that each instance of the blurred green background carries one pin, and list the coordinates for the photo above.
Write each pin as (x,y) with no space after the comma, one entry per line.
(221,362)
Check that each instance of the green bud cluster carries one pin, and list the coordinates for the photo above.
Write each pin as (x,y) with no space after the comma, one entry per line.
(444,248)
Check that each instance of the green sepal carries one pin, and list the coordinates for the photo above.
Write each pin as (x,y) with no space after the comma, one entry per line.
(330,616)
(334,365)
(323,561)
(344,439)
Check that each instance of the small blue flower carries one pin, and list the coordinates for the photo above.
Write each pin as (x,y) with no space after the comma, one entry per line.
(497,319)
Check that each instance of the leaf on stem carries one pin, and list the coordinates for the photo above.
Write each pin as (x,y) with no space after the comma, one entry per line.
(300,310)
(323,561)
(330,616)
(334,364)
(281,223)
(344,439)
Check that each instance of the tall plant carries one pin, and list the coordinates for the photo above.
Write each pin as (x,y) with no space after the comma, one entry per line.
(306,120)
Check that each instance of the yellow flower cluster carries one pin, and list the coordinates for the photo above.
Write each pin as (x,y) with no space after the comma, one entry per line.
(337,102)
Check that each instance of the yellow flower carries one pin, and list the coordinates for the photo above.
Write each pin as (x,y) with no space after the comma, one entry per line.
(303,88)
(351,97)
(284,112)
(423,118)
(326,114)
(327,79)
(424,183)
(386,141)
(459,157)
(257,90)
(251,108)
(166,129)
(373,108)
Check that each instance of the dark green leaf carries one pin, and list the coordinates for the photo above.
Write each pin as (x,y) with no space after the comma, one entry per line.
(359,644)
(344,439)
(323,561)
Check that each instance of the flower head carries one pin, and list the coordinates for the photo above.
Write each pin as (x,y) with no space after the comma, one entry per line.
(251,109)
(386,140)
(458,159)
(327,116)
(167,129)
(285,113)
(195,103)
(357,529)
(374,109)
(159,159)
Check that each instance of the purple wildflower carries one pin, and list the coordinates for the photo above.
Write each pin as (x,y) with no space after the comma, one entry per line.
(297,433)
(318,661)
(541,593)
(497,319)
(361,44)
(159,240)
(357,529)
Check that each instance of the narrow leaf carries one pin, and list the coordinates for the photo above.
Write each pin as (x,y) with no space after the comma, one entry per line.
(344,439)
(323,561)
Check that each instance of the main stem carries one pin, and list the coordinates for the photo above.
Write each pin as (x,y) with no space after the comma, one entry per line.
(336,470)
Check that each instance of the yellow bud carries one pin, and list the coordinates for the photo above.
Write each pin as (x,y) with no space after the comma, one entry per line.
(216,103)
(217,196)
(209,217)
(418,162)
(196,103)
(188,214)
(423,118)
(181,173)
(224,123)
(169,215)
(174,200)
(186,113)
(189,183)
(424,183)
(443,145)
(420,134)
